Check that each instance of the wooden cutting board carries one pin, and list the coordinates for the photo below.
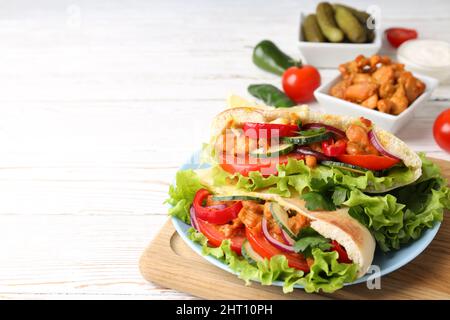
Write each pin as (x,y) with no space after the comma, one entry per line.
(169,262)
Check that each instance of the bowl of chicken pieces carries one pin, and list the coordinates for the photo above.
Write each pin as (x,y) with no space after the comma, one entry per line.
(376,88)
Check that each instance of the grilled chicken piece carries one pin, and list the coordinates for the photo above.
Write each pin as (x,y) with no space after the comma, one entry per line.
(413,86)
(386,90)
(360,92)
(338,90)
(297,222)
(370,102)
(251,213)
(230,229)
(384,105)
(361,78)
(399,100)
(384,74)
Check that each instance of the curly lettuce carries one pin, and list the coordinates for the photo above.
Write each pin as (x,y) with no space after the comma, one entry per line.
(402,215)
(296,174)
(182,194)
(326,274)
(394,218)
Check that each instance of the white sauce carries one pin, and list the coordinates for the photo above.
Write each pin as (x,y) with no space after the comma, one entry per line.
(426,53)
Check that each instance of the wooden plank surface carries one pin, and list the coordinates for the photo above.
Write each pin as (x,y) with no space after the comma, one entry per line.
(101,102)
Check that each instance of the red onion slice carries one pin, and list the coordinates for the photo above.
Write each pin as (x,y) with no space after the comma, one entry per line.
(273,241)
(308,151)
(287,238)
(194,221)
(373,138)
(315,125)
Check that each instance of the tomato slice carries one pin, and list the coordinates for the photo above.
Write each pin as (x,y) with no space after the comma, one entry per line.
(369,161)
(219,216)
(268,130)
(343,256)
(396,36)
(267,167)
(265,249)
(215,236)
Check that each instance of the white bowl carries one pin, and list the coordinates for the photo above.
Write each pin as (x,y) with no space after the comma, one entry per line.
(386,121)
(420,56)
(331,55)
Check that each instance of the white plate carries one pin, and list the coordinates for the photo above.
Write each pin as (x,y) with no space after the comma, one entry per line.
(386,262)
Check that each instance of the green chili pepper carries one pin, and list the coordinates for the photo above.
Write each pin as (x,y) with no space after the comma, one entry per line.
(268,57)
(271,95)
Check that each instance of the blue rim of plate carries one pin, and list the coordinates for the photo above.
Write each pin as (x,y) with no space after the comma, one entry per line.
(387,262)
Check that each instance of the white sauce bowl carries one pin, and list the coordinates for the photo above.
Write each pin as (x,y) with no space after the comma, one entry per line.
(428,57)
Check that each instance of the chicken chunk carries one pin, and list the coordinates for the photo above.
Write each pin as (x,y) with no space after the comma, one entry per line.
(377,83)
(384,74)
(371,102)
(251,213)
(384,105)
(360,92)
(362,78)
(399,100)
(413,86)
(297,222)
(386,90)
(338,90)
(230,229)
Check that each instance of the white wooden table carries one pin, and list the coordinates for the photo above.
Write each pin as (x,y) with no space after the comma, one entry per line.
(100,102)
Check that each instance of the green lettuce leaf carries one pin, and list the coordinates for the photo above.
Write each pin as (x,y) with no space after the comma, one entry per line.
(298,175)
(327,274)
(309,239)
(318,201)
(182,194)
(404,213)
(394,218)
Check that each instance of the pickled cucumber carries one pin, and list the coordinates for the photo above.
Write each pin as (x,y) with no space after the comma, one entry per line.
(348,23)
(311,30)
(362,17)
(327,24)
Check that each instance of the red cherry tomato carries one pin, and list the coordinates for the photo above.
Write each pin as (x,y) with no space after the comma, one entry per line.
(441,130)
(396,36)
(299,83)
